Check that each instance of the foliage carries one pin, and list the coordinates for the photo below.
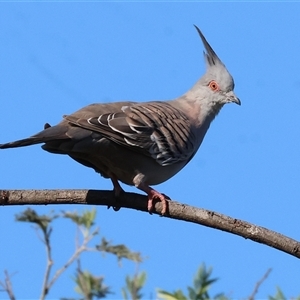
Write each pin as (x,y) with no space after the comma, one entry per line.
(280,296)
(133,286)
(90,286)
(86,219)
(202,284)
(42,221)
(121,251)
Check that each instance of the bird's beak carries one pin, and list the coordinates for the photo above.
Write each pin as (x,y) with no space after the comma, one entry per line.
(231,97)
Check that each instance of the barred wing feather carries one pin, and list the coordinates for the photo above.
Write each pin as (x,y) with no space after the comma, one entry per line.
(155,129)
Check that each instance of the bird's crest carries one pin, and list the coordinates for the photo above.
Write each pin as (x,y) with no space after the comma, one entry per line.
(216,70)
(210,55)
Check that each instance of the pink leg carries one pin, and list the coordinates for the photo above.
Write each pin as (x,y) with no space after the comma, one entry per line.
(153,196)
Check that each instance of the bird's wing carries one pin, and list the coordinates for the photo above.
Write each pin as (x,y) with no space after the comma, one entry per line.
(156,129)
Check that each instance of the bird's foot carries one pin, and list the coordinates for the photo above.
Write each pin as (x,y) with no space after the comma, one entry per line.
(154,196)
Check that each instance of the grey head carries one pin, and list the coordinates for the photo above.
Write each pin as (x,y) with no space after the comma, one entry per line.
(216,86)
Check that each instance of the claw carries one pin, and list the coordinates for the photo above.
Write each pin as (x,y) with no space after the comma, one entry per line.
(154,196)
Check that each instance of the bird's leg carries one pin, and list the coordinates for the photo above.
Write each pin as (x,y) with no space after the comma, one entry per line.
(153,196)
(117,189)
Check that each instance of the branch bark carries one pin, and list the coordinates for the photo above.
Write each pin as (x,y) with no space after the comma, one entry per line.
(176,211)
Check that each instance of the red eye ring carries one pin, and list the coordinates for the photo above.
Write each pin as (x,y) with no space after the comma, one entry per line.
(214,86)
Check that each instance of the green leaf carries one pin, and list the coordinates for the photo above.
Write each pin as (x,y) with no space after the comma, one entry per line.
(278,296)
(90,286)
(141,279)
(202,284)
(86,218)
(177,295)
(133,286)
(121,251)
(31,216)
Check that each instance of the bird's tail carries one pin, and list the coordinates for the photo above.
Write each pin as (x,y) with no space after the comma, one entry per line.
(22,143)
(48,134)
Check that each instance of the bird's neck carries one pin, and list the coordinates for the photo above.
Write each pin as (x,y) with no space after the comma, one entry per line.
(200,110)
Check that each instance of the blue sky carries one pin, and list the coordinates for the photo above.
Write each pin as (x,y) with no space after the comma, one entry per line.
(58,57)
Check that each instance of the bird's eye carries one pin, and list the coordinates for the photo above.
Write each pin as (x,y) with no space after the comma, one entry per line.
(213,86)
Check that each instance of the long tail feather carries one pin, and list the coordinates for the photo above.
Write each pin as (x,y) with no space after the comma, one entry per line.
(48,134)
(22,143)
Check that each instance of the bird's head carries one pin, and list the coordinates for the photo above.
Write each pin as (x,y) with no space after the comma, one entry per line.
(216,84)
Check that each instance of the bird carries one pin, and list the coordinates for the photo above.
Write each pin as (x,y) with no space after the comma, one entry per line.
(141,144)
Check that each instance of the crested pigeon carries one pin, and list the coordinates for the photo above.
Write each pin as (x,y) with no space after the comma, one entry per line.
(141,144)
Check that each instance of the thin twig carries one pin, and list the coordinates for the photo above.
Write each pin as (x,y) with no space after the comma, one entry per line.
(7,286)
(45,286)
(75,255)
(258,284)
(81,282)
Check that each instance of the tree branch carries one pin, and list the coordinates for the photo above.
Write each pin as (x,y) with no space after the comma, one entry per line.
(7,286)
(139,202)
(258,284)
(46,240)
(75,256)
